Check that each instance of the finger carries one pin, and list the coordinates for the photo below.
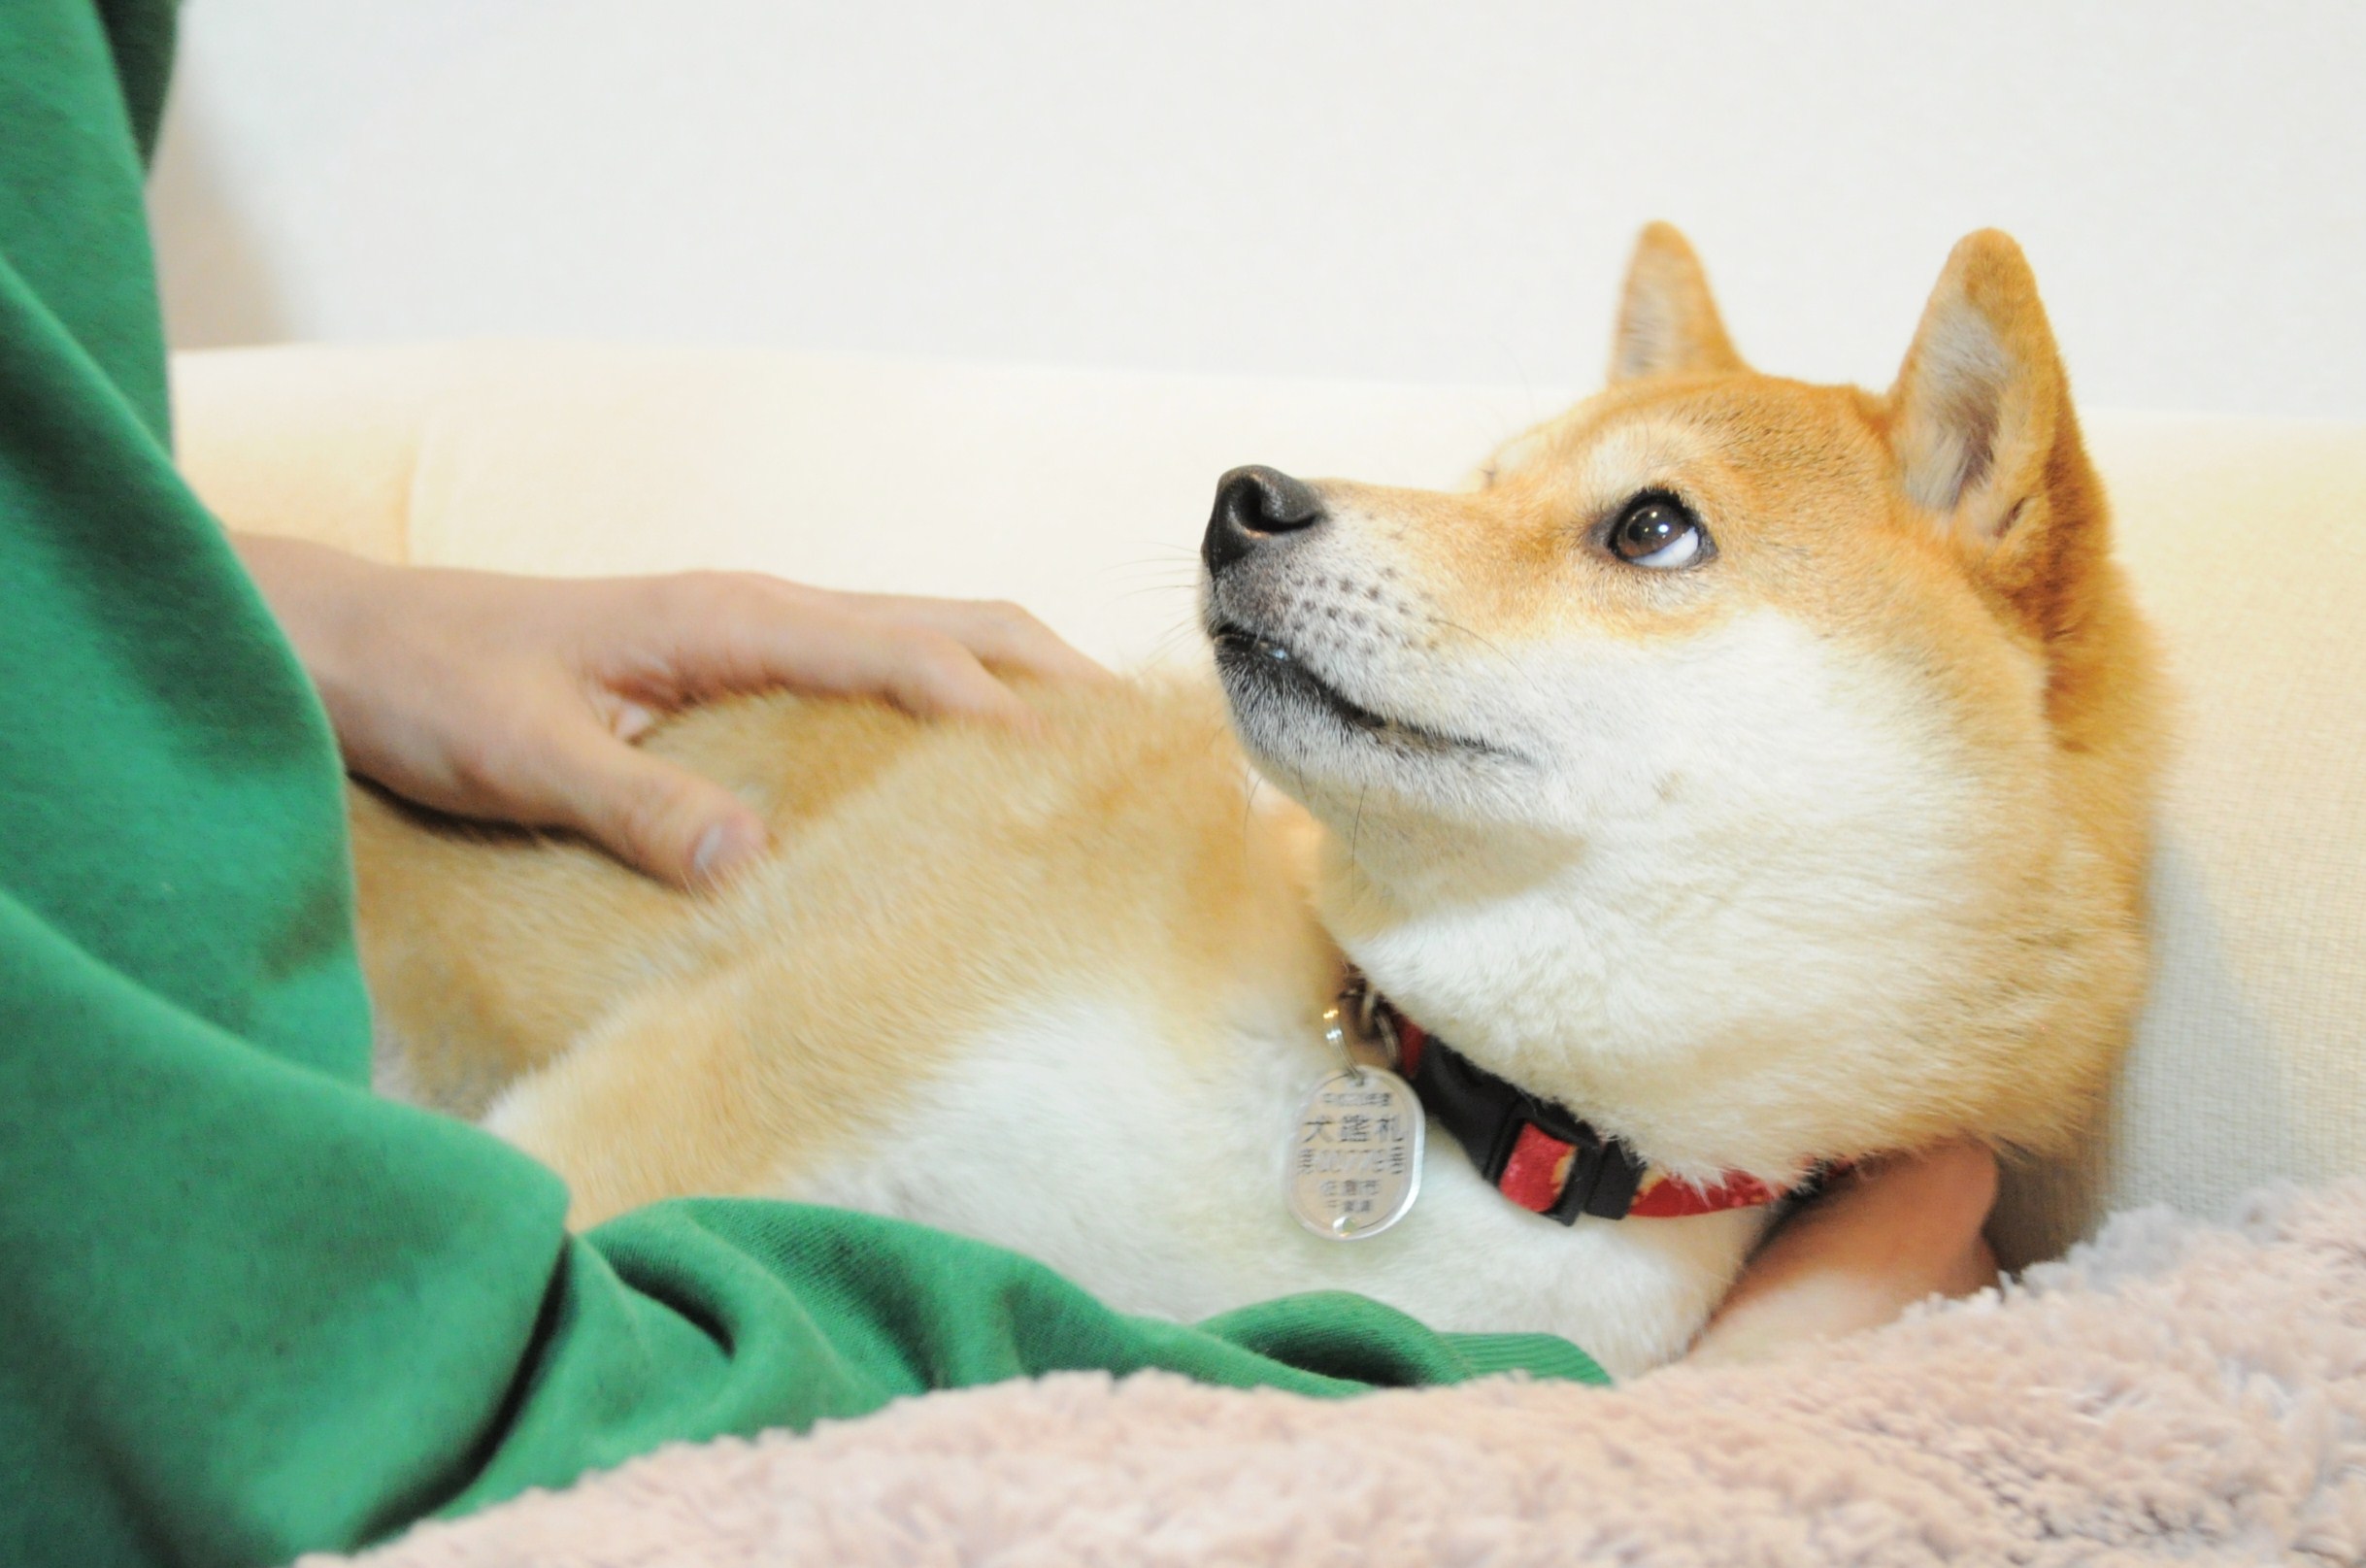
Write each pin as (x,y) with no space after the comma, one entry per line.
(751,640)
(1002,635)
(627,719)
(650,814)
(935,675)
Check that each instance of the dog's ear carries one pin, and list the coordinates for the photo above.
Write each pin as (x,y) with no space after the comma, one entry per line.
(1668,325)
(1980,403)
(1988,445)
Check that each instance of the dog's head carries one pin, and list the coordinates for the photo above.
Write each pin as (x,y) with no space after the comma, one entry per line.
(1758,768)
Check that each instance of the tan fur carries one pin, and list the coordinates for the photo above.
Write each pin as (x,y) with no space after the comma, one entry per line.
(927,877)
(1947,540)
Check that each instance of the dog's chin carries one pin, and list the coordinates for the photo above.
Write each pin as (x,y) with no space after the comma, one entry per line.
(1290,715)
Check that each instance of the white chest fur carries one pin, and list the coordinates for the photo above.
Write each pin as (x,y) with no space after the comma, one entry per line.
(1149,1170)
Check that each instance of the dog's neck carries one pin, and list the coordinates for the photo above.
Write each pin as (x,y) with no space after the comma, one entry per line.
(1536,1153)
(1549,965)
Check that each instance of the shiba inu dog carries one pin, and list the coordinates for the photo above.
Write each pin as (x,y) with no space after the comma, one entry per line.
(1742,776)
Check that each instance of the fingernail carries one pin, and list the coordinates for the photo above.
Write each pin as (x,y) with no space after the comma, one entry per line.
(632,721)
(725,847)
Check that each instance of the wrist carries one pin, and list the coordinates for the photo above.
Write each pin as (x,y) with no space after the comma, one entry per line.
(322,599)
(1889,1234)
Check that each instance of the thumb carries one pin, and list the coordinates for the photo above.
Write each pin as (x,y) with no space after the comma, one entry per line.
(650,814)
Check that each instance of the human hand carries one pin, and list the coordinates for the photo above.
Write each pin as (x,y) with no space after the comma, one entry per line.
(1884,1236)
(517,699)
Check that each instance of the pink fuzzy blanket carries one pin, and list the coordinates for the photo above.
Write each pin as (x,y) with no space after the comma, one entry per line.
(2173,1391)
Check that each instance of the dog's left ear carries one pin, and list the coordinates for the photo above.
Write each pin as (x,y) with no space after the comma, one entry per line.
(1980,404)
(1668,324)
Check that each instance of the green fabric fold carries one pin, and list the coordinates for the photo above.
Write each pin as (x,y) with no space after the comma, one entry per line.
(247,1309)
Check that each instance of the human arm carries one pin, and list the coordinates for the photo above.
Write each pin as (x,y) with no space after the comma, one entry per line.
(1884,1236)
(517,699)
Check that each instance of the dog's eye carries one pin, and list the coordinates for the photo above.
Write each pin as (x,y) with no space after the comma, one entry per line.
(1659,532)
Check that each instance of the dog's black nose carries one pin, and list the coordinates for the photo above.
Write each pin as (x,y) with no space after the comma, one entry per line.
(1252,503)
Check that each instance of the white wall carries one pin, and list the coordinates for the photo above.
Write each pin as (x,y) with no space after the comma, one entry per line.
(1374,189)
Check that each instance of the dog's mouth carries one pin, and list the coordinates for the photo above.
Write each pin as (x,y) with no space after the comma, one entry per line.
(1260,672)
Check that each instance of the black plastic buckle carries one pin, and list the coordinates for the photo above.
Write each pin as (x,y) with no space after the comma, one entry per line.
(1486,1115)
(1603,1175)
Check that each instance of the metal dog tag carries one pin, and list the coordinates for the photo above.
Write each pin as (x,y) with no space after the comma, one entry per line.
(1354,1161)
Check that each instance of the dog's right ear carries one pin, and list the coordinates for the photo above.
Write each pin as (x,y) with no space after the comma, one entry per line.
(1980,403)
(1988,448)
(1668,325)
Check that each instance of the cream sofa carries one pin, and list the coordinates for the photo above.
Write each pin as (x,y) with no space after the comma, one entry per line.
(1081,494)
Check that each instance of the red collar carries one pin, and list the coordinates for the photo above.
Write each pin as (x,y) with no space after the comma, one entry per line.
(1535,1151)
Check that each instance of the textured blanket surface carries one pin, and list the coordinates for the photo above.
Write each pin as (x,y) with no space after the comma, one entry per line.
(2173,1391)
